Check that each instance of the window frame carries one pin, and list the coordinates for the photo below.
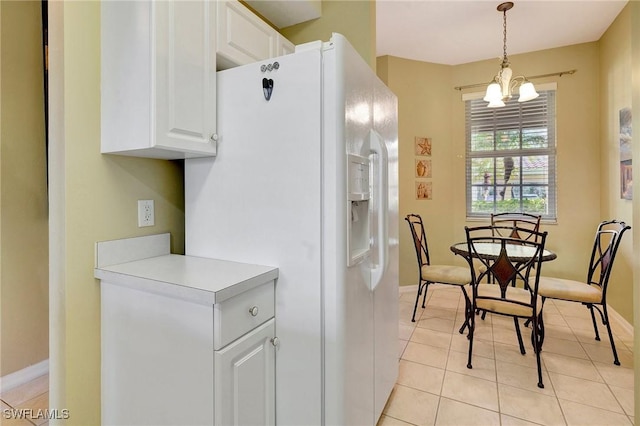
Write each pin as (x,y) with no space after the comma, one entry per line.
(550,151)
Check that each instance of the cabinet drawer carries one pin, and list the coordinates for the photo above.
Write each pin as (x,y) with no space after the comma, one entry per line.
(242,313)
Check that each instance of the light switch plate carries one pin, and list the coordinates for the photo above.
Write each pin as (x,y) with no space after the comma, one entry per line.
(146,213)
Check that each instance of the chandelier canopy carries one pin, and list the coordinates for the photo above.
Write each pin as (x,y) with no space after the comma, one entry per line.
(503,85)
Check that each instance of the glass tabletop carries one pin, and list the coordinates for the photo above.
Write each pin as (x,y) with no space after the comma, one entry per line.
(492,251)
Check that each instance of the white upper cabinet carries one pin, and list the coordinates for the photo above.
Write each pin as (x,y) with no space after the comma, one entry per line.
(158,71)
(284,46)
(244,38)
(158,82)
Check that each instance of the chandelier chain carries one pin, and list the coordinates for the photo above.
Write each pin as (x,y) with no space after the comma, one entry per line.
(504,35)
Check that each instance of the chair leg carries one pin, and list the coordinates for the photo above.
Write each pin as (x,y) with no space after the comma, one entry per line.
(534,333)
(593,318)
(528,321)
(517,325)
(415,306)
(424,298)
(421,287)
(468,311)
(616,361)
(472,326)
(537,339)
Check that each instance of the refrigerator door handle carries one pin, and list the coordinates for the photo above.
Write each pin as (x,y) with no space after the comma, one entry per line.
(381,203)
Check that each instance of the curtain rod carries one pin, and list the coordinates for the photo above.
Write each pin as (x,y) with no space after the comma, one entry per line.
(559,74)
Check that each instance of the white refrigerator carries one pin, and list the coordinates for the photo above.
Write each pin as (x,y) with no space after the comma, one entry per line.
(306,179)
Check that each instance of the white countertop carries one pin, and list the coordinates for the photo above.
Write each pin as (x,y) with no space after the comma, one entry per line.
(198,279)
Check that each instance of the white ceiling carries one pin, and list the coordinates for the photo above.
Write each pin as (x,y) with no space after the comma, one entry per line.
(459,31)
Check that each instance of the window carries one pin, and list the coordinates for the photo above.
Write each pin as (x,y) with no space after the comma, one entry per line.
(511,157)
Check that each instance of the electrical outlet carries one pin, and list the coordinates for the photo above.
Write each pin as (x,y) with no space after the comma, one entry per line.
(146,214)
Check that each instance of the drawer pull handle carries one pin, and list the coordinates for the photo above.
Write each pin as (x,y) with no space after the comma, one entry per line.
(275,342)
(253,311)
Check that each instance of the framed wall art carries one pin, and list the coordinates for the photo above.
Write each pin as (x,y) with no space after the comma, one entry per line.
(626,175)
(423,190)
(423,168)
(422,146)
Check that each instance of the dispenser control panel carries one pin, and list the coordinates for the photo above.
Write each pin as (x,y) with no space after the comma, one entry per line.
(358,183)
(359,195)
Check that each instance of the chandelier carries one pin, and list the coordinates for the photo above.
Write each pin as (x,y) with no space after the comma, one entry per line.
(503,86)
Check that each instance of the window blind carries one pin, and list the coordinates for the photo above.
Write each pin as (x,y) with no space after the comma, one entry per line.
(511,157)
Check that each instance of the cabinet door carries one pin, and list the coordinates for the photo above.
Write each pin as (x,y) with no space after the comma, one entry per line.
(285,47)
(245,379)
(185,76)
(242,36)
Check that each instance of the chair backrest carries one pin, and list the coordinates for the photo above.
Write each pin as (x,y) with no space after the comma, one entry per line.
(514,221)
(419,239)
(607,240)
(505,259)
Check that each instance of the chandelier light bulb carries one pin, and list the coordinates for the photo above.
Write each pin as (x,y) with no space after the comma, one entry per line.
(527,92)
(494,93)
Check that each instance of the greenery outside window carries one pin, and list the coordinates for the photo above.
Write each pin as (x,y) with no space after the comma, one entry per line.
(511,157)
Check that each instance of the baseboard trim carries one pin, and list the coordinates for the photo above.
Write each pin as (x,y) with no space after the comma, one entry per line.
(616,317)
(408,288)
(613,315)
(23,376)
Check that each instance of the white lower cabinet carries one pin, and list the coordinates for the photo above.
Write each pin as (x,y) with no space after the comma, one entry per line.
(187,341)
(245,379)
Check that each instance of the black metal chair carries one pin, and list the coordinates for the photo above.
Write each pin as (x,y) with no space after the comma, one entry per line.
(520,220)
(429,273)
(507,224)
(593,292)
(511,259)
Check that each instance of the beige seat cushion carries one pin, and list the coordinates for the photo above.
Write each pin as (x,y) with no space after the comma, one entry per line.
(504,306)
(446,274)
(558,288)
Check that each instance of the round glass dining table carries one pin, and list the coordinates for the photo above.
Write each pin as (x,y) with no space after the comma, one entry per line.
(491,251)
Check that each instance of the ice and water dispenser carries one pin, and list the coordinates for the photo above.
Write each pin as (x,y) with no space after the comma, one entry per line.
(359,195)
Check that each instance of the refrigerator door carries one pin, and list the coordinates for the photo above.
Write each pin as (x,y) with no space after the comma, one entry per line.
(385,245)
(356,375)
(276,194)
(259,201)
(348,301)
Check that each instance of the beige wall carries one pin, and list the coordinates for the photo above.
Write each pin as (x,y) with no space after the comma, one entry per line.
(24,290)
(430,107)
(615,94)
(635,65)
(96,199)
(356,20)
(424,109)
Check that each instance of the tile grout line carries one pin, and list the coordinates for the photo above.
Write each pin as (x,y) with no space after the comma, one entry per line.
(555,393)
(435,420)
(28,420)
(592,362)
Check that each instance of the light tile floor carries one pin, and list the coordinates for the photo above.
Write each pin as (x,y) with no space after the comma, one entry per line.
(24,404)
(435,387)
